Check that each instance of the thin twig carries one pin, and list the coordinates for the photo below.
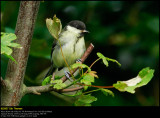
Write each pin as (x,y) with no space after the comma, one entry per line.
(72,89)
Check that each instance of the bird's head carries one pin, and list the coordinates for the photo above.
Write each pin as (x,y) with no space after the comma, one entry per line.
(77,27)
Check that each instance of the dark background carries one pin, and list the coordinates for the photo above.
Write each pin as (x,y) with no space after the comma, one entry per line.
(125,31)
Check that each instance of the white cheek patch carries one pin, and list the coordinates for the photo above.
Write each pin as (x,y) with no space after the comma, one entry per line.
(74,30)
(133,82)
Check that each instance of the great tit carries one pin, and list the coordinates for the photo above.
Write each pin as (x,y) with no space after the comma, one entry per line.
(72,43)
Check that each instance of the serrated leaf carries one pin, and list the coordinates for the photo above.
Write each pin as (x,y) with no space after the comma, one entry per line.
(85,100)
(6,43)
(76,65)
(107,92)
(144,76)
(46,80)
(54,26)
(106,59)
(87,79)
(58,84)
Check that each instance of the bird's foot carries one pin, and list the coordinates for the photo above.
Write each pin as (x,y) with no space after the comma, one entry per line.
(78,61)
(67,74)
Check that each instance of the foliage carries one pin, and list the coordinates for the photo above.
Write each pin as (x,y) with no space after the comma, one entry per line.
(7,42)
(76,65)
(106,59)
(58,84)
(46,80)
(85,100)
(87,80)
(107,92)
(144,76)
(54,26)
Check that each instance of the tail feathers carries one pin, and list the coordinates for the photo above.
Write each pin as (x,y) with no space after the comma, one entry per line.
(50,72)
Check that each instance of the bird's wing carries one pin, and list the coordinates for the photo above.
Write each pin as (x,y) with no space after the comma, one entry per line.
(51,69)
(53,46)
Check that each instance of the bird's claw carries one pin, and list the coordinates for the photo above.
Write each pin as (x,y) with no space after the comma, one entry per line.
(67,74)
(78,61)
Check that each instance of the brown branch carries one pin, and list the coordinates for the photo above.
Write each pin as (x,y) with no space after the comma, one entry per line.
(47,88)
(24,30)
(72,89)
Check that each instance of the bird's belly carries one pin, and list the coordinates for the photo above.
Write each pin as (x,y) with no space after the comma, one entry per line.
(71,53)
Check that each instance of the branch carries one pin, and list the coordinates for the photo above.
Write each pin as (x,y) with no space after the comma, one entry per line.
(37,89)
(24,30)
(47,88)
(72,89)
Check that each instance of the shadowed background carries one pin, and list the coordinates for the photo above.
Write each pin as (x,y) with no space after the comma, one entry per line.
(125,31)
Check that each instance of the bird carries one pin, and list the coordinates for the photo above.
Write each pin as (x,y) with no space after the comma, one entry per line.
(72,44)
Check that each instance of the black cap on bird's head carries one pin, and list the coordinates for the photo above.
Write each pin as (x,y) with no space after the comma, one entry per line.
(79,25)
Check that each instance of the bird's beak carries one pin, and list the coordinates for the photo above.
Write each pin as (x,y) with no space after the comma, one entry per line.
(85,31)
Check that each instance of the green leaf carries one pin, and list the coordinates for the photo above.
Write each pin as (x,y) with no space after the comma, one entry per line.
(113,60)
(105,62)
(85,100)
(79,103)
(107,92)
(54,26)
(58,84)
(100,55)
(76,65)
(87,79)
(144,76)
(106,59)
(56,77)
(9,56)
(46,80)
(6,43)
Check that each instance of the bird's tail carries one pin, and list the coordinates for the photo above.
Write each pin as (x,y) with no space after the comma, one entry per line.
(50,72)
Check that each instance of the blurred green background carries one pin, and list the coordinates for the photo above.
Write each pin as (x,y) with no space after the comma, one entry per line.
(125,31)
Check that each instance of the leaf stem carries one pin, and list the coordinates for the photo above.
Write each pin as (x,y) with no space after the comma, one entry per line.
(93,64)
(96,86)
